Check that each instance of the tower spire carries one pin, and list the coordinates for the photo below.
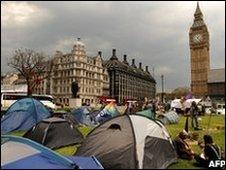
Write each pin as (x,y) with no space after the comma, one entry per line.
(198,20)
(198,12)
(198,9)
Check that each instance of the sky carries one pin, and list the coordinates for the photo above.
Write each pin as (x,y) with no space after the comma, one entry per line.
(152,32)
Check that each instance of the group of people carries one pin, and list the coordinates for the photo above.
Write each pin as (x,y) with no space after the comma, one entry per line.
(211,151)
(154,106)
(133,107)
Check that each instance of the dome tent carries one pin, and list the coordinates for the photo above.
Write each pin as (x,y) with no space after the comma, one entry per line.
(170,117)
(130,142)
(148,113)
(21,153)
(54,133)
(67,116)
(176,103)
(82,116)
(23,115)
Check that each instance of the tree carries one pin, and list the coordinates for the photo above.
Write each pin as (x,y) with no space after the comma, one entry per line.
(180,91)
(33,66)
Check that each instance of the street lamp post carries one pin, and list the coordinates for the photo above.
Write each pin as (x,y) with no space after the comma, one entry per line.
(162,78)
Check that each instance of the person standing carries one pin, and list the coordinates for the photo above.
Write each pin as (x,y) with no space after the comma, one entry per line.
(129,108)
(203,109)
(194,116)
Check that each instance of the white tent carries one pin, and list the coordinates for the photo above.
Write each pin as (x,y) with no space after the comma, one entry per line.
(188,102)
(176,103)
(130,142)
(191,100)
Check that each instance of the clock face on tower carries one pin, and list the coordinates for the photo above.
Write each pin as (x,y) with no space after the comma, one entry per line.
(197,38)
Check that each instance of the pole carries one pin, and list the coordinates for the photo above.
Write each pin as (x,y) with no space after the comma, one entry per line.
(208,126)
(186,125)
(162,77)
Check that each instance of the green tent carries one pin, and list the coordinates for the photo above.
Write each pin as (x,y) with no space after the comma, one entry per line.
(148,113)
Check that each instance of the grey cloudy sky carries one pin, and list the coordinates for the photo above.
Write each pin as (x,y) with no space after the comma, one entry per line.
(155,33)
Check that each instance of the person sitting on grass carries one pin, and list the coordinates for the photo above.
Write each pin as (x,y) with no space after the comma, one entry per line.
(183,149)
(211,152)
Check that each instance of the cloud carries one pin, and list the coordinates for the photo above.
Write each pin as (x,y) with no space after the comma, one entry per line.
(64,44)
(154,33)
(164,70)
(20,14)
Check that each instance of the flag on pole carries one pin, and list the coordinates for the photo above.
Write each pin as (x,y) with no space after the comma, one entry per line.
(186,125)
(189,96)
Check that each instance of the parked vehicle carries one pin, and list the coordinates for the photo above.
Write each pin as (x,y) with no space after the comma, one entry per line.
(7,99)
(221,109)
(209,109)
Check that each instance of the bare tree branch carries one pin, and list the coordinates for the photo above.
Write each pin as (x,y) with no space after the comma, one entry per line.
(32,66)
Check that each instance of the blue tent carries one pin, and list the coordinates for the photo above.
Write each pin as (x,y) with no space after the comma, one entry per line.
(23,115)
(86,162)
(81,114)
(93,115)
(22,153)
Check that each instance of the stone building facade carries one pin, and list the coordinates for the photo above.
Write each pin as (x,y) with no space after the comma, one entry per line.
(13,80)
(9,79)
(199,52)
(216,84)
(128,81)
(87,71)
(9,84)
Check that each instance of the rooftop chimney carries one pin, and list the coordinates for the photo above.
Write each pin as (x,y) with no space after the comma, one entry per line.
(140,65)
(147,69)
(133,63)
(114,55)
(100,53)
(125,59)
(114,52)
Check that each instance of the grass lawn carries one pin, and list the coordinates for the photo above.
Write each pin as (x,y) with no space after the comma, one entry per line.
(216,130)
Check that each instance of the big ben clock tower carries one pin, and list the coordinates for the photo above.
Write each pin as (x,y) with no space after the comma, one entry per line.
(199,52)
